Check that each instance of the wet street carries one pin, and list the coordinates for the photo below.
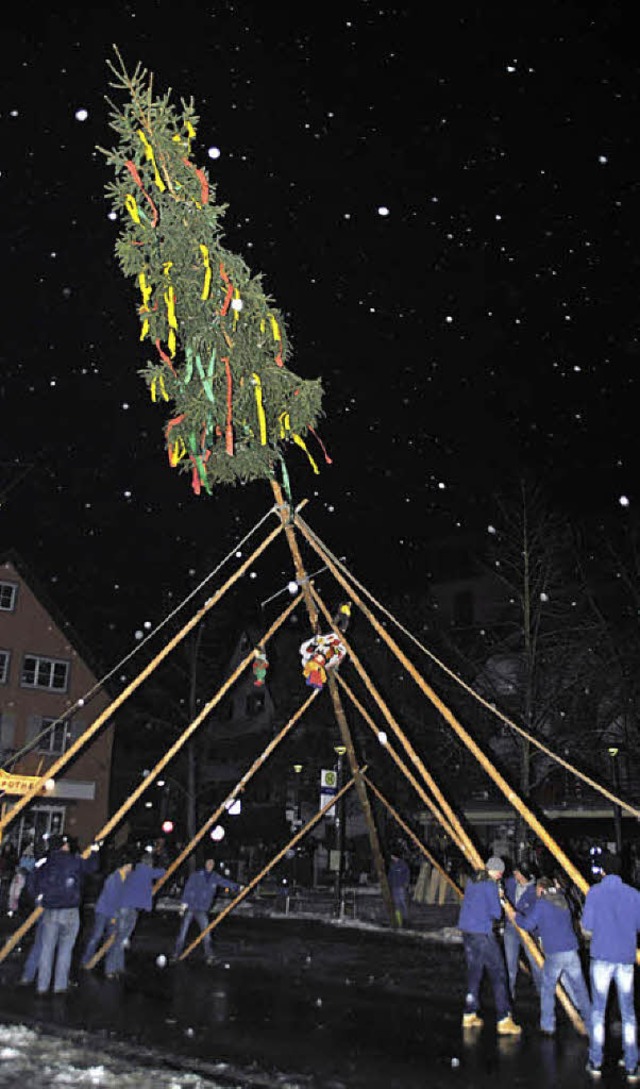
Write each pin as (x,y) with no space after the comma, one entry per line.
(295,1003)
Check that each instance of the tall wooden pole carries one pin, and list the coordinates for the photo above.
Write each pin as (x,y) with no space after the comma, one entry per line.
(338,709)
(91,730)
(276,858)
(413,837)
(162,763)
(508,791)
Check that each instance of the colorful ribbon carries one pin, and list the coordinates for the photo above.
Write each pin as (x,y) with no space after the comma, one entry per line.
(303,446)
(150,157)
(206,287)
(131,167)
(132,207)
(229,295)
(158,384)
(262,419)
(229,425)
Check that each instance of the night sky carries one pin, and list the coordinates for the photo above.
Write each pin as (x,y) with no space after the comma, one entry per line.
(444,200)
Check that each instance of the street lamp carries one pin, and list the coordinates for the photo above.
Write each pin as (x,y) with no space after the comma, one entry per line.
(298,770)
(340,751)
(614,752)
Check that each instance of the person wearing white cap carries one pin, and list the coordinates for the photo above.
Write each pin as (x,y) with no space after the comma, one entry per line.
(480,910)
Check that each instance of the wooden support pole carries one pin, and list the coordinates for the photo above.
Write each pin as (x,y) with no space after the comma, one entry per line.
(338,709)
(414,838)
(81,741)
(178,744)
(408,774)
(512,797)
(470,849)
(274,861)
(215,816)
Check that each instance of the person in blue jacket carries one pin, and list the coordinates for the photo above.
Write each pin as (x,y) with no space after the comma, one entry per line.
(398,877)
(551,919)
(611,920)
(481,910)
(520,891)
(137,896)
(106,909)
(58,888)
(198,895)
(30,966)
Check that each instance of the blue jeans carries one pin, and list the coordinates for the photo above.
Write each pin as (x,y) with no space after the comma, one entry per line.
(202,920)
(30,966)
(399,896)
(483,952)
(59,932)
(602,972)
(567,968)
(102,926)
(512,946)
(126,920)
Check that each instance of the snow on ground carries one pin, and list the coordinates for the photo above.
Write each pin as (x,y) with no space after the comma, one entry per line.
(44,1061)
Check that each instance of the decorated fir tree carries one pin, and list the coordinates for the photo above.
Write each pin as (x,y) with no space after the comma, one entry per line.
(219,345)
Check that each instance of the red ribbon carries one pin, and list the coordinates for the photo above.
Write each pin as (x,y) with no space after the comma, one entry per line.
(202,178)
(229,295)
(229,427)
(164,357)
(322,446)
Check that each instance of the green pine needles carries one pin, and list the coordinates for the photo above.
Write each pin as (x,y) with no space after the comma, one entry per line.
(219,345)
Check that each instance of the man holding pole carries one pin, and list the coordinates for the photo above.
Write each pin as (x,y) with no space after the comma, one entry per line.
(611,920)
(481,909)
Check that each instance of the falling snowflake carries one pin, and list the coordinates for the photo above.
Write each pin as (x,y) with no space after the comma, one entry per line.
(81,115)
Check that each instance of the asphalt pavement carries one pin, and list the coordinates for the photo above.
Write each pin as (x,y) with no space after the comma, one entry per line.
(309,1003)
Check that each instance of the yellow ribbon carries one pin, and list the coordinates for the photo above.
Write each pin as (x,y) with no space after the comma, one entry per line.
(275,328)
(262,419)
(158,384)
(145,329)
(206,287)
(302,444)
(236,313)
(132,208)
(177,451)
(148,152)
(170,302)
(285,424)
(145,290)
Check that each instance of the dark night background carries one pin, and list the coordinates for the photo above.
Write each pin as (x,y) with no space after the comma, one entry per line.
(485,327)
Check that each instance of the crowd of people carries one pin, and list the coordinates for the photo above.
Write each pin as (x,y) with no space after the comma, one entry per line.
(608,923)
(55,883)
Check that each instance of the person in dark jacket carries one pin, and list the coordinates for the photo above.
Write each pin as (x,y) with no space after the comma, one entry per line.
(551,918)
(481,910)
(106,910)
(520,891)
(398,877)
(58,888)
(199,893)
(137,896)
(611,920)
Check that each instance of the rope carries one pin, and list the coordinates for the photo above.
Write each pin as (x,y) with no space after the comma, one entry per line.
(471,691)
(82,700)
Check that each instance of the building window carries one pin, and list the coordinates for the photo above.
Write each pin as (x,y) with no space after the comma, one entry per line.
(49,673)
(54,741)
(5,657)
(8,594)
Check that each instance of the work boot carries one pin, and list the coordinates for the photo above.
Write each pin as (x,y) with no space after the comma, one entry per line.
(507,1027)
(471,1020)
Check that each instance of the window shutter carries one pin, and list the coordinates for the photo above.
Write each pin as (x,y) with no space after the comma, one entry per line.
(7,730)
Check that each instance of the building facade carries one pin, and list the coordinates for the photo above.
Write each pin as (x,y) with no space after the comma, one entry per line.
(42,678)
